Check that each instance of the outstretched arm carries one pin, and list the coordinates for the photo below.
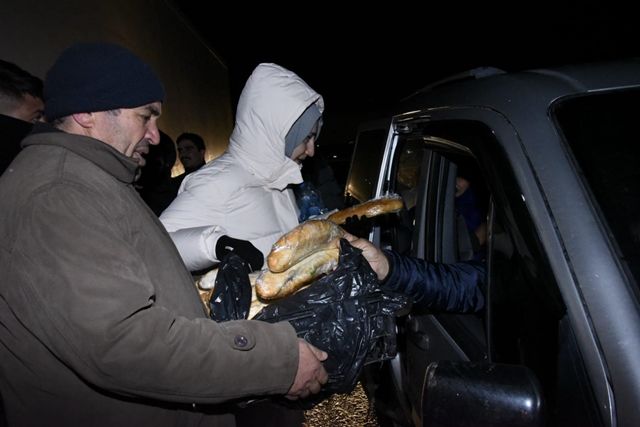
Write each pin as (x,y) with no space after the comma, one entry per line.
(453,287)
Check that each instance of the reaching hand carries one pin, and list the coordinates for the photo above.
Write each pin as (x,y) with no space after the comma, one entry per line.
(374,256)
(311,374)
(243,248)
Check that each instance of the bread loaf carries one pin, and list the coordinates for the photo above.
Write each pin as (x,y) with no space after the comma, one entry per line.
(271,285)
(256,304)
(205,296)
(370,208)
(309,237)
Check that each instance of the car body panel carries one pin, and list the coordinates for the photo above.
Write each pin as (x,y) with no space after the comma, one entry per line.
(601,300)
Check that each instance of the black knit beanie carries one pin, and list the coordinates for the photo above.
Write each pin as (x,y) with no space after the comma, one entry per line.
(90,77)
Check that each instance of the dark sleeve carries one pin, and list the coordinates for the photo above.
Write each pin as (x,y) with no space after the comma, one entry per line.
(453,288)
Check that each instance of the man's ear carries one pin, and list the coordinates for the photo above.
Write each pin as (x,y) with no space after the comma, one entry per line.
(86,120)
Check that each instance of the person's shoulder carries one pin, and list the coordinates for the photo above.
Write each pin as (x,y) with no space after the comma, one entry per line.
(177,180)
(57,167)
(221,174)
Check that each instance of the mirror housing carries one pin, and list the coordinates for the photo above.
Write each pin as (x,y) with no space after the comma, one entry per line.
(472,394)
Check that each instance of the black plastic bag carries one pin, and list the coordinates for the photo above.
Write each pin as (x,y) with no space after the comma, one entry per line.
(231,298)
(345,314)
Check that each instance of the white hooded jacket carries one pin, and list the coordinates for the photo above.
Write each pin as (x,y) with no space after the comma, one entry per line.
(243,193)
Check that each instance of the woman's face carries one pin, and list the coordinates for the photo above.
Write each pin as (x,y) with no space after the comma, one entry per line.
(304,150)
(307,148)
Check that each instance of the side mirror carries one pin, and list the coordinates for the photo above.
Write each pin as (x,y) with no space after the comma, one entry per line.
(470,394)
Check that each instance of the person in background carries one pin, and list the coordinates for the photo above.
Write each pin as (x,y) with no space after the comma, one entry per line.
(245,192)
(155,184)
(21,105)
(191,151)
(453,288)
(318,172)
(319,193)
(309,201)
(101,322)
(471,205)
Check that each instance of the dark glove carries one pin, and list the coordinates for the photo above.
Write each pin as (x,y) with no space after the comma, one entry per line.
(359,227)
(243,248)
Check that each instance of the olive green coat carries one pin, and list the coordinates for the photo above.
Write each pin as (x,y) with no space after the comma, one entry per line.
(100,322)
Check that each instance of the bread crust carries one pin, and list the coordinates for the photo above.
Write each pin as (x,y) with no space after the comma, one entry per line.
(370,208)
(271,285)
(309,237)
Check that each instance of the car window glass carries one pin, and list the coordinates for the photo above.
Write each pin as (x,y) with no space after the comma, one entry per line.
(602,133)
(411,158)
(365,166)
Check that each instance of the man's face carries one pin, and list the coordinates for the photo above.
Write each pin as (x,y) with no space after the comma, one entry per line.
(190,155)
(131,130)
(29,109)
(461,186)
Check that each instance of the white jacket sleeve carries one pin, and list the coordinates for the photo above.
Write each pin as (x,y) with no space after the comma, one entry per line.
(197,245)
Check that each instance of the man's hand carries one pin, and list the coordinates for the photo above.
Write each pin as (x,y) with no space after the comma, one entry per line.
(374,256)
(311,374)
(243,248)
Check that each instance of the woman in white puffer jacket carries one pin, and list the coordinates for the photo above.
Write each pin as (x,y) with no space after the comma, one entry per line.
(244,193)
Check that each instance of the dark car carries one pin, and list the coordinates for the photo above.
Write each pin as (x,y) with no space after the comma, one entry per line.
(553,159)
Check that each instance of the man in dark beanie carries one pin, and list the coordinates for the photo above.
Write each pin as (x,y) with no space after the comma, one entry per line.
(101,322)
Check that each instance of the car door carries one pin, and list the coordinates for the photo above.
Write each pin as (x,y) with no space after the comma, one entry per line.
(525,320)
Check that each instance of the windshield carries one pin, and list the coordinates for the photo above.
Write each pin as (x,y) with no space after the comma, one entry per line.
(602,131)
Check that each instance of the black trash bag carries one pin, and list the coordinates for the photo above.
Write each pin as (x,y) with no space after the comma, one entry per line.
(231,298)
(346,314)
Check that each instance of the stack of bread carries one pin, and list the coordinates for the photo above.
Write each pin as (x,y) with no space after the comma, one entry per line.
(311,249)
(299,257)
(303,254)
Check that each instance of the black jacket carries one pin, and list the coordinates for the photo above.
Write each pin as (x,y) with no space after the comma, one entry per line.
(12,131)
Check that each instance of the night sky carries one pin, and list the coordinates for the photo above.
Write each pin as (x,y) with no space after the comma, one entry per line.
(362,63)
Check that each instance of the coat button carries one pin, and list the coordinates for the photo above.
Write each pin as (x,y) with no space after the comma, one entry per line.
(240,341)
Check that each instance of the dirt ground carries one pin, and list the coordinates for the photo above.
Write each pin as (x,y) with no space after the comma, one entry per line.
(343,410)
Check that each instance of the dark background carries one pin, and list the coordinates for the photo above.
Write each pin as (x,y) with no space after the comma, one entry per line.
(366,59)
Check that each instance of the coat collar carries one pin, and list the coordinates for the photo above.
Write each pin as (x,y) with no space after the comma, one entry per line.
(102,155)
